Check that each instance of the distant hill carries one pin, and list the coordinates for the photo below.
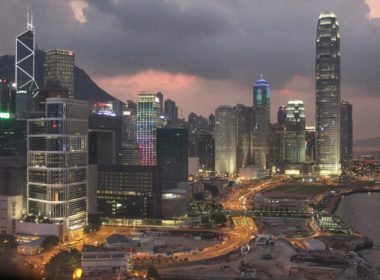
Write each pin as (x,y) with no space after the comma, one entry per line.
(84,87)
(371,142)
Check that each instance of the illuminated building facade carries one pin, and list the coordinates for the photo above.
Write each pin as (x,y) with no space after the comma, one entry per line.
(277,135)
(346,133)
(295,132)
(327,86)
(57,162)
(148,120)
(59,67)
(310,144)
(129,191)
(261,118)
(225,140)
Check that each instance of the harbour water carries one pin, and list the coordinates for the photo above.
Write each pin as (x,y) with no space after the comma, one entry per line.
(361,211)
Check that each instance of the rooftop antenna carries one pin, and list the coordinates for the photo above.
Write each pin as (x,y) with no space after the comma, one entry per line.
(29,17)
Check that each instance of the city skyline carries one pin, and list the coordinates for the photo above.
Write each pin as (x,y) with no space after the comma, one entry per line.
(185,77)
(185,80)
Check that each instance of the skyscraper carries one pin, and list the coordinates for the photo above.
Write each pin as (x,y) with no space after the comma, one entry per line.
(327,87)
(345,132)
(260,132)
(57,164)
(171,112)
(59,67)
(26,85)
(172,156)
(225,140)
(281,115)
(243,125)
(148,120)
(295,132)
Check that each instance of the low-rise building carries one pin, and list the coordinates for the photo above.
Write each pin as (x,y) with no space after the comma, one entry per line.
(100,262)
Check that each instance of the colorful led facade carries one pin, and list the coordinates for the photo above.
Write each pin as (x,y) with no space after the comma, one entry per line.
(148,120)
(327,85)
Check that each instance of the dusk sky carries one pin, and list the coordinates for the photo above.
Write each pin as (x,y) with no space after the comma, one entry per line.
(203,54)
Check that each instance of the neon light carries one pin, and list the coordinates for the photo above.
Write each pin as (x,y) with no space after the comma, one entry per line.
(4,115)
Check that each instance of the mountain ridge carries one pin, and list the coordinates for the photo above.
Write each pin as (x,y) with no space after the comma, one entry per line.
(84,87)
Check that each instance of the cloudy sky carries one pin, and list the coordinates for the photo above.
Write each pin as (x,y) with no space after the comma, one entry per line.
(204,54)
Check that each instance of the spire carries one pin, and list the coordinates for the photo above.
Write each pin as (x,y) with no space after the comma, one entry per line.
(29,17)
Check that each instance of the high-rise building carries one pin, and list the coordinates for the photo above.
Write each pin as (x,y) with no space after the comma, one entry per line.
(327,86)
(26,85)
(295,132)
(225,140)
(7,100)
(161,101)
(281,115)
(105,139)
(346,132)
(277,134)
(206,150)
(148,120)
(130,123)
(243,128)
(310,144)
(211,123)
(129,191)
(171,112)
(57,164)
(59,67)
(260,132)
(172,156)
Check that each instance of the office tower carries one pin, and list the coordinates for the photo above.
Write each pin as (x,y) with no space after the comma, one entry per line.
(130,154)
(261,117)
(130,123)
(26,85)
(206,149)
(105,139)
(148,120)
(225,140)
(281,115)
(243,128)
(129,191)
(57,164)
(7,100)
(171,112)
(310,144)
(345,132)
(327,87)
(211,123)
(277,133)
(59,67)
(172,156)
(295,132)
(161,101)
(197,124)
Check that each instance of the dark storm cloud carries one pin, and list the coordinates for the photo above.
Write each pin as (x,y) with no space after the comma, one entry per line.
(213,39)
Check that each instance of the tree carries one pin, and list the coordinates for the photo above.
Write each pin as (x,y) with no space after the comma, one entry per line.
(219,218)
(63,264)
(49,242)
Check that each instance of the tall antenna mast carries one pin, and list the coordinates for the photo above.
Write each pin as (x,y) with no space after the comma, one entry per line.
(29,17)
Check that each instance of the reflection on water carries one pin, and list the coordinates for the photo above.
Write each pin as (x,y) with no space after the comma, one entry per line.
(361,211)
